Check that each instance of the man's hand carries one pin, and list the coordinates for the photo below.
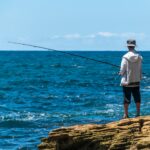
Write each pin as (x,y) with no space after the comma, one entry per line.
(119,73)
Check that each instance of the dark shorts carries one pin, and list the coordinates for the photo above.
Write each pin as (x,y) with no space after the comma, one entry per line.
(134,91)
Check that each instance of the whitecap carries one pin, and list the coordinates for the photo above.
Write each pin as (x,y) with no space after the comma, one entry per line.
(147,87)
(145,90)
(77,66)
(23,116)
(144,77)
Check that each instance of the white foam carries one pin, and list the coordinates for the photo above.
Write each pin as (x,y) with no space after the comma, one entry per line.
(23,116)
(147,87)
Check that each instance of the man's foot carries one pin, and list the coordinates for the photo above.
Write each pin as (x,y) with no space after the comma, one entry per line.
(125,116)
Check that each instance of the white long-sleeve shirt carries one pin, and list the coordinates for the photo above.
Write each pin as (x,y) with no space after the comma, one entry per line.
(131,69)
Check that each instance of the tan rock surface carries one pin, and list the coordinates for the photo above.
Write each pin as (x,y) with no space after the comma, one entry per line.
(126,134)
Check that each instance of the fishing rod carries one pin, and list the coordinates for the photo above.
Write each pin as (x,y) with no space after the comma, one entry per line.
(64,52)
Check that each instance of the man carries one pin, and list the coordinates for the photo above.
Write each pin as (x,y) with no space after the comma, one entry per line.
(131,72)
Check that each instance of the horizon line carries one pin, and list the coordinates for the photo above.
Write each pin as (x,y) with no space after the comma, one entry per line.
(70,50)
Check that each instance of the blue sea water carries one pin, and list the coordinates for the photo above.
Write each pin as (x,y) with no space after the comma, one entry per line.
(41,91)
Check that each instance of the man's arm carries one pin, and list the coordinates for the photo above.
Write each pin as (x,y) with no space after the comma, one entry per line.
(123,67)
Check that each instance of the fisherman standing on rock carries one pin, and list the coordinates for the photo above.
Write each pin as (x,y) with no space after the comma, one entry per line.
(131,72)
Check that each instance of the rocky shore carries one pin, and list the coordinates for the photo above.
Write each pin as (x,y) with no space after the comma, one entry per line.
(126,134)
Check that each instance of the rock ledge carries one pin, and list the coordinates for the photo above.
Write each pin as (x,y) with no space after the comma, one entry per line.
(132,134)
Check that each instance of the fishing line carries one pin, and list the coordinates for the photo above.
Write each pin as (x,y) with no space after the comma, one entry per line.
(64,52)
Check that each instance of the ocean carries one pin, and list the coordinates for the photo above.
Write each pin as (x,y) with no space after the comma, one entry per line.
(42,91)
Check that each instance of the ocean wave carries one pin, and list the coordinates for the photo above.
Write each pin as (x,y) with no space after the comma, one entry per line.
(22,116)
(147,87)
(56,65)
(77,66)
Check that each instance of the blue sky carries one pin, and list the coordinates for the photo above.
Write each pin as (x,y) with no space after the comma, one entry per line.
(75,24)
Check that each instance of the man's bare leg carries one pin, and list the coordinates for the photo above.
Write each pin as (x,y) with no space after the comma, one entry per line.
(126,105)
(138,109)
